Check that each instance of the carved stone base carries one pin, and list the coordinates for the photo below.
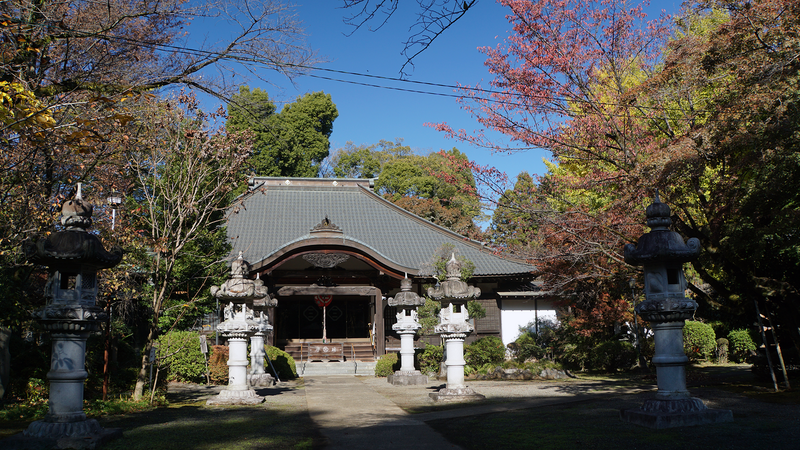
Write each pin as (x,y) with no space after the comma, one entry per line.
(465,394)
(407,378)
(261,380)
(236,397)
(87,434)
(686,412)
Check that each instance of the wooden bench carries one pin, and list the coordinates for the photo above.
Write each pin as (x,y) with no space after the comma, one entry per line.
(322,352)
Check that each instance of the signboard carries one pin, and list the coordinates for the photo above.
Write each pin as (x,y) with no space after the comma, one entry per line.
(323,300)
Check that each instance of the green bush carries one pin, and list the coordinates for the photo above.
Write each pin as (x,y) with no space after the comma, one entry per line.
(741,346)
(525,348)
(611,356)
(486,350)
(283,362)
(699,341)
(218,365)
(179,356)
(385,365)
(430,359)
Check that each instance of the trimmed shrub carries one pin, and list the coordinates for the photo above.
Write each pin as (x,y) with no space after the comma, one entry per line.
(741,346)
(180,358)
(283,362)
(525,349)
(611,356)
(218,364)
(699,341)
(430,359)
(385,365)
(486,350)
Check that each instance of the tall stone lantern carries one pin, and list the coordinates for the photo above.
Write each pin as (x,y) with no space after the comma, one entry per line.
(662,254)
(258,376)
(407,326)
(454,327)
(240,293)
(73,257)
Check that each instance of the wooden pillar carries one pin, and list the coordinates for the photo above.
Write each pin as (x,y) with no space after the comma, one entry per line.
(380,334)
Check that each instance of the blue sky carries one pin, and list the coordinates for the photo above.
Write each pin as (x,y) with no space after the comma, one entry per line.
(369,114)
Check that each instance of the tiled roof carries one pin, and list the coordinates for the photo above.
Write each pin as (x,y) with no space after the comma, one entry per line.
(279,212)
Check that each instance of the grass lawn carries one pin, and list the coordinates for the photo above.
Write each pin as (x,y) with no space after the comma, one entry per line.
(211,428)
(762,419)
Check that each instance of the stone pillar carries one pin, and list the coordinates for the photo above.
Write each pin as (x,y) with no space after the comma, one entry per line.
(455,360)
(670,360)
(257,354)
(454,328)
(407,326)
(662,253)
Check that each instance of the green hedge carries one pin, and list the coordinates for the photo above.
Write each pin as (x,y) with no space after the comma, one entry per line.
(180,358)
(385,365)
(611,356)
(430,359)
(699,341)
(283,362)
(486,350)
(740,346)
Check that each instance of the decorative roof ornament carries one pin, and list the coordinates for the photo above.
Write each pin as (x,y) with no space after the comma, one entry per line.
(406,297)
(660,244)
(75,213)
(73,246)
(239,289)
(452,286)
(326,260)
(326,225)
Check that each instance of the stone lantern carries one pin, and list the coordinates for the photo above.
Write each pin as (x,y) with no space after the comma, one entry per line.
(454,327)
(258,376)
(73,257)
(240,293)
(407,326)
(662,253)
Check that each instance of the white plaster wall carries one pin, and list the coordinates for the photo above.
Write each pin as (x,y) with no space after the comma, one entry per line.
(518,313)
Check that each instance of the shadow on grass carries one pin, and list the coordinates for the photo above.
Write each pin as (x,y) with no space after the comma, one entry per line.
(595,424)
(200,427)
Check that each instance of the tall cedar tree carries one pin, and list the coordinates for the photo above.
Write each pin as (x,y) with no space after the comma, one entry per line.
(291,143)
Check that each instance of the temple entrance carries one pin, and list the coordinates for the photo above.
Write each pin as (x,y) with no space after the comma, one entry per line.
(301,318)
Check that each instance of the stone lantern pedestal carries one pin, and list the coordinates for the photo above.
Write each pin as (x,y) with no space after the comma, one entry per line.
(240,293)
(662,253)
(407,326)
(73,257)
(454,328)
(258,376)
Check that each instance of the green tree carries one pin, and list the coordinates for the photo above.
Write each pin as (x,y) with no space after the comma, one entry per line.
(291,143)
(365,161)
(184,174)
(513,226)
(434,187)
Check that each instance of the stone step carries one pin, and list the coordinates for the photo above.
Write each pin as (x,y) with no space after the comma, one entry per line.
(365,368)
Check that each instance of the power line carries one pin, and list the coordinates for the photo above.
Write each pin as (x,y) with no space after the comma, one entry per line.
(271,64)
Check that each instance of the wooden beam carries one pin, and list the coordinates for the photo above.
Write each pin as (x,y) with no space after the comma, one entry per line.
(325,290)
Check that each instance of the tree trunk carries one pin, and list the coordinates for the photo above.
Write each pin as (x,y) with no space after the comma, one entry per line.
(141,379)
